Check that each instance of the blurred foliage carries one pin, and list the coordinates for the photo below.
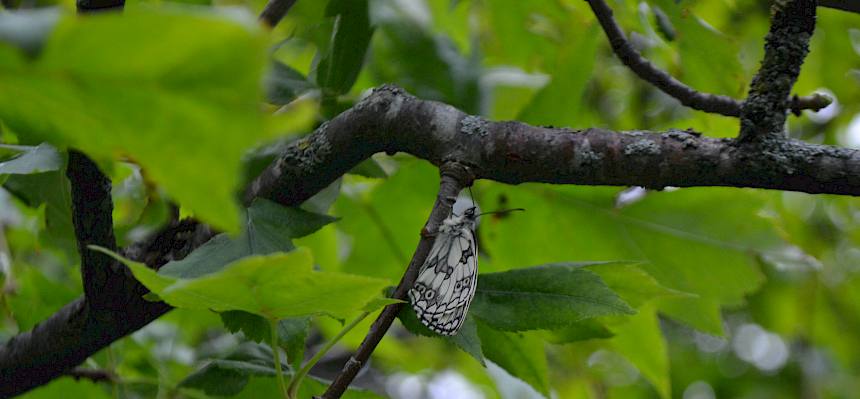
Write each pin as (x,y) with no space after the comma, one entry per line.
(693,293)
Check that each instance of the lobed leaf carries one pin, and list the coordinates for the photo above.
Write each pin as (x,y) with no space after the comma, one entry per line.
(275,286)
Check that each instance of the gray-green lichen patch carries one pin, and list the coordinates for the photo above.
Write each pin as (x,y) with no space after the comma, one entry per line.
(642,147)
(474,125)
(687,139)
(310,151)
(586,157)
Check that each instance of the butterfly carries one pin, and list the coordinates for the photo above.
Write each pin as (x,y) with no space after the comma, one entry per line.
(447,280)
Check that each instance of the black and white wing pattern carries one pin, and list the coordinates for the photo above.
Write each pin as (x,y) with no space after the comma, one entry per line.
(447,280)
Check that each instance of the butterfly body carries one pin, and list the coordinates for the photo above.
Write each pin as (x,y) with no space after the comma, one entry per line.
(447,280)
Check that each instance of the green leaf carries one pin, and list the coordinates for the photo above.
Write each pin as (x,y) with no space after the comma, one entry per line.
(544,297)
(521,355)
(229,376)
(39,159)
(52,190)
(158,105)
(276,286)
(560,102)
(699,241)
(254,327)
(283,84)
(384,218)
(641,341)
(369,168)
(465,339)
(223,377)
(633,284)
(380,302)
(269,228)
(339,67)
(292,334)
(700,47)
(579,331)
(428,65)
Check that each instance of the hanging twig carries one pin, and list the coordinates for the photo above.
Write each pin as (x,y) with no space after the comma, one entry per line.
(454,177)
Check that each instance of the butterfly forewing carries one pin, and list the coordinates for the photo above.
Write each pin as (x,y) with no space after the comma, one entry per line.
(447,280)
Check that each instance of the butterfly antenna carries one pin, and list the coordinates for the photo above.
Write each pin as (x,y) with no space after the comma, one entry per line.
(472,197)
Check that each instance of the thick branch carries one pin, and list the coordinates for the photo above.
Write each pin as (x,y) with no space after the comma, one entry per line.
(786,45)
(391,120)
(688,96)
(77,331)
(453,178)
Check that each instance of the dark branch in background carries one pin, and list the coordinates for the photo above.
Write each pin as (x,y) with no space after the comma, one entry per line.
(92,210)
(713,103)
(94,375)
(275,10)
(88,6)
(454,177)
(786,45)
(844,5)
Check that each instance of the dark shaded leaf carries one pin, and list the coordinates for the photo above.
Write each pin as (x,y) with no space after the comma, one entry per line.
(283,84)
(544,297)
(339,67)
(466,338)
(269,228)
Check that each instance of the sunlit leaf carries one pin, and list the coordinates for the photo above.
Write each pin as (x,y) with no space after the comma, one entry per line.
(157,105)
(276,286)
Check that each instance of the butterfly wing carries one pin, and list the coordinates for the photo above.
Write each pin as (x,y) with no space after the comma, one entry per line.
(446,282)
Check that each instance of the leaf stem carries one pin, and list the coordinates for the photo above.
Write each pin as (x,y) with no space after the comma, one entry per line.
(297,379)
(276,353)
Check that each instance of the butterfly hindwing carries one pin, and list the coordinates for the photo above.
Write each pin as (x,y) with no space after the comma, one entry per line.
(446,282)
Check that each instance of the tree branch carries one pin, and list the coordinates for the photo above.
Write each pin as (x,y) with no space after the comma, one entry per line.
(712,103)
(92,210)
(78,331)
(844,5)
(391,120)
(786,45)
(454,177)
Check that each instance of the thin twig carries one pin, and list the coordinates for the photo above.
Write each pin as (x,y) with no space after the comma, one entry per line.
(786,46)
(454,177)
(707,102)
